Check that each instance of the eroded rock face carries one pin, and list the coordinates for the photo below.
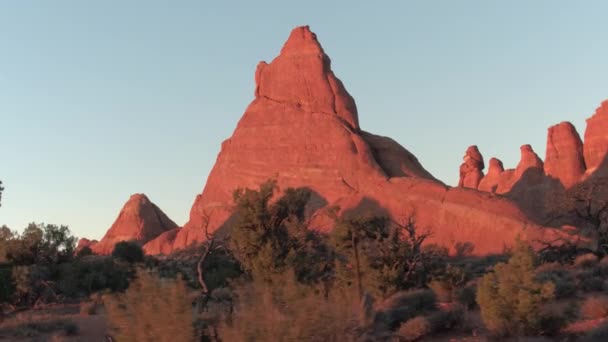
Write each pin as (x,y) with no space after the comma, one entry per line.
(491,180)
(596,138)
(84,242)
(564,158)
(471,170)
(140,221)
(302,130)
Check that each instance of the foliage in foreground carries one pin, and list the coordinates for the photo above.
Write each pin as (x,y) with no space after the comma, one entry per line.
(511,299)
(289,311)
(151,309)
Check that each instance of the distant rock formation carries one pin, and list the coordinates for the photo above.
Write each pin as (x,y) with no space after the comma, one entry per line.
(471,171)
(140,221)
(490,181)
(302,129)
(564,159)
(536,186)
(84,242)
(596,138)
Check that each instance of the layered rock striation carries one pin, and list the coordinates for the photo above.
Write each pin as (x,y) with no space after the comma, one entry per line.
(302,129)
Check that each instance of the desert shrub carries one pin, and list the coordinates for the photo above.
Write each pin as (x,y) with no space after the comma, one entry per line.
(7,287)
(151,309)
(88,308)
(465,296)
(448,281)
(33,284)
(564,282)
(128,251)
(510,298)
(384,257)
(587,282)
(402,306)
(289,311)
(414,329)
(442,290)
(586,260)
(41,244)
(555,316)
(443,320)
(70,329)
(91,274)
(272,238)
(84,251)
(595,307)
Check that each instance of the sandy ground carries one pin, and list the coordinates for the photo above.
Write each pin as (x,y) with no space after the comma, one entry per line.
(48,324)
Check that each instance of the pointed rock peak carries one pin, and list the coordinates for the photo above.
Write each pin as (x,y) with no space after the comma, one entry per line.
(596,139)
(564,159)
(473,156)
(471,169)
(139,220)
(301,77)
(495,166)
(529,159)
(302,41)
(138,198)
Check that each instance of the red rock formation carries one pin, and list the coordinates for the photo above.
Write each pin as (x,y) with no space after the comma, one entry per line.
(471,171)
(490,181)
(140,220)
(302,129)
(84,242)
(596,138)
(564,159)
(529,162)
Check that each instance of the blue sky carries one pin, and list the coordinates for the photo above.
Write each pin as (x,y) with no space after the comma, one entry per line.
(103,99)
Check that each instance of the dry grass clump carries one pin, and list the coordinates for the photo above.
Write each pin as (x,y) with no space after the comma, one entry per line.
(151,309)
(595,307)
(32,326)
(414,329)
(289,311)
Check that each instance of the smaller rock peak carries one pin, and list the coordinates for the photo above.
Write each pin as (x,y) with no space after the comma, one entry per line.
(495,166)
(602,109)
(529,159)
(302,41)
(137,199)
(471,168)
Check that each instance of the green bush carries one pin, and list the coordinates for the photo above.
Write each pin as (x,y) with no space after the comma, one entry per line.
(128,251)
(587,282)
(403,306)
(466,296)
(510,298)
(87,275)
(415,329)
(564,282)
(7,287)
(84,251)
(444,320)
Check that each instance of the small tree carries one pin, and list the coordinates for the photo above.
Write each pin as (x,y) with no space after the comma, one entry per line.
(128,251)
(383,256)
(270,238)
(510,298)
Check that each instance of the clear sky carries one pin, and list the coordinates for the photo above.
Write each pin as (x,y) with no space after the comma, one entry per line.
(99,100)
